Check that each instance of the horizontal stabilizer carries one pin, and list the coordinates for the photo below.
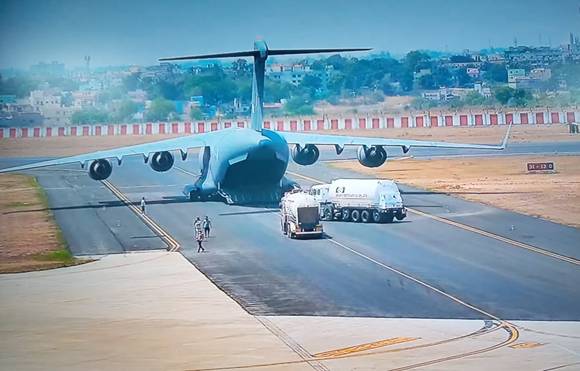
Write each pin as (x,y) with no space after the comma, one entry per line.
(313,51)
(256,53)
(251,53)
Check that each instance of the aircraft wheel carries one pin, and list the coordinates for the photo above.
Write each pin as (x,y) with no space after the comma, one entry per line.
(376,216)
(194,196)
(365,216)
(355,216)
(345,215)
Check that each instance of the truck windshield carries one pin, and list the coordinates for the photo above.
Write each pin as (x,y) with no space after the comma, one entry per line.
(308,215)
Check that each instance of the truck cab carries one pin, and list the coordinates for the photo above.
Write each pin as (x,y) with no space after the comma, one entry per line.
(320,192)
(299,215)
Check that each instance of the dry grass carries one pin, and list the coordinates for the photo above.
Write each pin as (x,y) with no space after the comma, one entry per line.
(478,135)
(29,237)
(358,105)
(501,182)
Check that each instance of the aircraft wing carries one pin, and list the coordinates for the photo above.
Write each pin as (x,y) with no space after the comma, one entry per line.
(175,144)
(345,140)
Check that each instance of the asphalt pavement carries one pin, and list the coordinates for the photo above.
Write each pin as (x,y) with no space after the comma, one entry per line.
(421,267)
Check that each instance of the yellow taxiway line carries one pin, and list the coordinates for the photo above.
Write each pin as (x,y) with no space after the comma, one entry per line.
(362,347)
(469,228)
(172,244)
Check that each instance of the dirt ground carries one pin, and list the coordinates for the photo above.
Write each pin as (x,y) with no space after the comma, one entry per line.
(390,104)
(29,237)
(477,135)
(502,182)
(67,146)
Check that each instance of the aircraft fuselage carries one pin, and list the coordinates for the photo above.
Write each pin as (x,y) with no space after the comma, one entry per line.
(241,159)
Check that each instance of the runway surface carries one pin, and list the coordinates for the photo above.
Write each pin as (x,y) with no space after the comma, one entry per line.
(414,268)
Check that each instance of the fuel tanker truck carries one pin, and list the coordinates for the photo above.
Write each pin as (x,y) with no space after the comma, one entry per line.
(360,200)
(299,215)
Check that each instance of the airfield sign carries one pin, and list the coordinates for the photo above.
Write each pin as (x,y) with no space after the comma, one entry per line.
(541,167)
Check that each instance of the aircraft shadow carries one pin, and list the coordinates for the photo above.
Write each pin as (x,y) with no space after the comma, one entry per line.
(250,212)
(164,201)
(102,204)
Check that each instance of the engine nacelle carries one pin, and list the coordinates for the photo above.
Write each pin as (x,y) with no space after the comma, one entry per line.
(100,169)
(162,161)
(373,156)
(305,156)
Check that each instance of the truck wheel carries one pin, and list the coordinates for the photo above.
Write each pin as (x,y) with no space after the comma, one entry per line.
(345,215)
(328,214)
(376,216)
(400,216)
(289,231)
(388,218)
(355,216)
(365,216)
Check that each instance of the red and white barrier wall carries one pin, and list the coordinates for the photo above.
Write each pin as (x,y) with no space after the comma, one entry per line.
(404,120)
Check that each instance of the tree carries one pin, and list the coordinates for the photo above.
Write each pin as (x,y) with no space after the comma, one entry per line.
(513,97)
(441,76)
(299,106)
(427,82)
(169,90)
(19,86)
(318,66)
(312,83)
(159,110)
(337,61)
(496,73)
(503,94)
(89,116)
(474,99)
(461,77)
(126,110)
(241,67)
(521,98)
(131,82)
(416,60)
(195,113)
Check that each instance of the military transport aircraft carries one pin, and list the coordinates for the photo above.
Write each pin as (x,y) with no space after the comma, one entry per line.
(241,165)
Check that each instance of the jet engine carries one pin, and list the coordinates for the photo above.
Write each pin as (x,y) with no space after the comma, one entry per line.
(100,169)
(306,155)
(162,161)
(373,156)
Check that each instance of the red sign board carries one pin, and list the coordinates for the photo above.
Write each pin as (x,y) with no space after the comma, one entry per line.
(541,166)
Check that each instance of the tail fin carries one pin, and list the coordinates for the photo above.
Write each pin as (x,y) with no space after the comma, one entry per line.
(260,54)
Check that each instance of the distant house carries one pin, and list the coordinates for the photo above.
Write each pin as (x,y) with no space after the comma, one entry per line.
(291,74)
(473,72)
(14,115)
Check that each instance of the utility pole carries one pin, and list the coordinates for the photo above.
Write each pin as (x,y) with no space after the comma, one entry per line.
(87,59)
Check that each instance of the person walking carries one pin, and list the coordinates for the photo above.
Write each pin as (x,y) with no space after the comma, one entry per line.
(199,239)
(197,224)
(206,226)
(143,203)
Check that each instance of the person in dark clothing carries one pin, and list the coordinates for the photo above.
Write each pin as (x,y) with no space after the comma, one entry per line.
(199,239)
(206,226)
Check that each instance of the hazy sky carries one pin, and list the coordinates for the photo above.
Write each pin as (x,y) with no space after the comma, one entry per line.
(117,32)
